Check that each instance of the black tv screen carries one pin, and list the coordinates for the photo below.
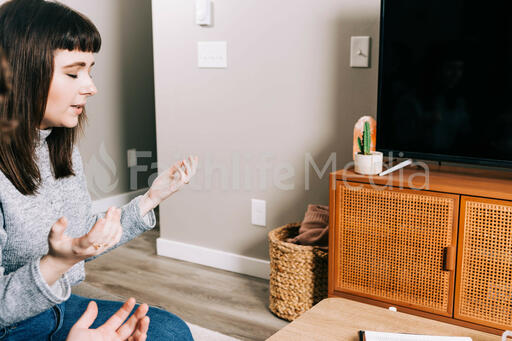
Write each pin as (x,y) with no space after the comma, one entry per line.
(445,80)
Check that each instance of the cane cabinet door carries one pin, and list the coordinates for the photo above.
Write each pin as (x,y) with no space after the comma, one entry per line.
(396,245)
(484,263)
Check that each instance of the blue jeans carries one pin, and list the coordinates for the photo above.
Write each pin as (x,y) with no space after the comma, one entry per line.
(54,324)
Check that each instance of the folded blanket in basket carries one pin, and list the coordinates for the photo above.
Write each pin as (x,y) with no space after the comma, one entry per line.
(314,229)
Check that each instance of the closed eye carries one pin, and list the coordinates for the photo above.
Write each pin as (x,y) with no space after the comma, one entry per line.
(72,76)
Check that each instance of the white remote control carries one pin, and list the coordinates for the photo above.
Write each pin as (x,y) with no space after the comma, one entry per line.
(396,167)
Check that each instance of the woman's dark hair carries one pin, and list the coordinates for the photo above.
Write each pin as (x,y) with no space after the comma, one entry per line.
(30,33)
(5,76)
(6,127)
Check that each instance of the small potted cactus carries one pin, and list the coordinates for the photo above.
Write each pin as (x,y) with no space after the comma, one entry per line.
(367,162)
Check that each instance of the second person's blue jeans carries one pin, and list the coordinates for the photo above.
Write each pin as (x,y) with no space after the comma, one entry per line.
(54,324)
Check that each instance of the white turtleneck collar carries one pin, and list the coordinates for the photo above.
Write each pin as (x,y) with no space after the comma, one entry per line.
(43,134)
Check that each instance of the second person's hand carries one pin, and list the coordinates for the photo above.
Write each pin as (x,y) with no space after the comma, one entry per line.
(134,329)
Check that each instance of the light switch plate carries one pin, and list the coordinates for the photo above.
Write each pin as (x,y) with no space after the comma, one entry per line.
(259,212)
(212,54)
(360,51)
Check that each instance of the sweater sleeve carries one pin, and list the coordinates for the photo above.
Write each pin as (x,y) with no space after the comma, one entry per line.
(24,293)
(132,221)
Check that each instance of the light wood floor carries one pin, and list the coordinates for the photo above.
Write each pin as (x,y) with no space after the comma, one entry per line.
(230,303)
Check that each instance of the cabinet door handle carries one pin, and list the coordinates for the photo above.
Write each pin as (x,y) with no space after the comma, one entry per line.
(449,258)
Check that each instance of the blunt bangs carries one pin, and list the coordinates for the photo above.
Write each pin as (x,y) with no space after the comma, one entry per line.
(72,31)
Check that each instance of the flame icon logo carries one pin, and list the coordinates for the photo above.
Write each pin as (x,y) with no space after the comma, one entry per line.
(101,175)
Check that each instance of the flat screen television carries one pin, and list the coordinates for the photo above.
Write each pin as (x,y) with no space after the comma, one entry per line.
(445,80)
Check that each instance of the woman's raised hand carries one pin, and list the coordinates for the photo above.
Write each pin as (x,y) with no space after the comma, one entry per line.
(104,234)
(170,181)
(134,329)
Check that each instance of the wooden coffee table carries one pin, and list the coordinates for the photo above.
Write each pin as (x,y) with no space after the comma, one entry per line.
(341,319)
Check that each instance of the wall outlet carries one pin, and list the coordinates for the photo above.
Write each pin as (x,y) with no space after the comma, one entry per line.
(259,212)
(131,157)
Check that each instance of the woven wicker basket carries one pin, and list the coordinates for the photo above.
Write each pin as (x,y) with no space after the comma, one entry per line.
(298,274)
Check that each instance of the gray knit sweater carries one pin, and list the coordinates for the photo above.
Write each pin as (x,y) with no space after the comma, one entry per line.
(25,221)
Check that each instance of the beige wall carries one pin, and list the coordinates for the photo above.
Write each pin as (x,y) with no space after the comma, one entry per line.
(288,91)
(121,115)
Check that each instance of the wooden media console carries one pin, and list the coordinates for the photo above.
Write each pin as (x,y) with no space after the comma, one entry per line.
(435,243)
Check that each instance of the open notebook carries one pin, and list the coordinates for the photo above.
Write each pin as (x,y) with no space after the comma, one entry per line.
(380,336)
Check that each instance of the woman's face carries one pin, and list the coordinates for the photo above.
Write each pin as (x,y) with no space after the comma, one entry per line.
(70,86)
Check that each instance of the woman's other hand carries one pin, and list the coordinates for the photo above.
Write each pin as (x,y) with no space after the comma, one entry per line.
(134,329)
(104,234)
(168,182)
(65,251)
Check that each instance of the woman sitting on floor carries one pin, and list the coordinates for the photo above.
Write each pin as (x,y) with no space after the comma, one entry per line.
(47,226)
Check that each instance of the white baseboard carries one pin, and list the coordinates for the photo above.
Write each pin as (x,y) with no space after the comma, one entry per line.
(193,253)
(119,200)
(214,258)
